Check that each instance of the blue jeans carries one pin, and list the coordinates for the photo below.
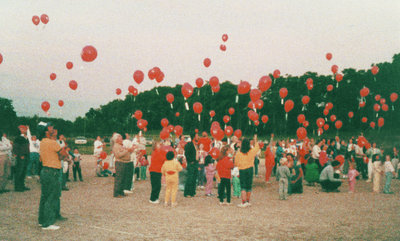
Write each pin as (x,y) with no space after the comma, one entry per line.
(33,164)
(389,177)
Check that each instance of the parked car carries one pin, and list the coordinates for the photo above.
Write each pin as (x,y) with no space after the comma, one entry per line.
(80,140)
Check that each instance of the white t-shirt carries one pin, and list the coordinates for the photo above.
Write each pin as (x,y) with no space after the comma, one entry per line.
(388,166)
(98,147)
(34,146)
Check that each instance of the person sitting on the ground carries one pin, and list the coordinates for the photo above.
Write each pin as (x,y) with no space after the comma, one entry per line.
(102,169)
(312,174)
(328,182)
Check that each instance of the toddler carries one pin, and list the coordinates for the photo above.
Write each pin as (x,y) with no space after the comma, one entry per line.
(210,172)
(390,173)
(352,174)
(283,176)
(236,182)
(170,170)
(76,168)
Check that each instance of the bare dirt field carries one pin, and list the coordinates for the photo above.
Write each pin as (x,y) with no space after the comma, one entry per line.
(93,214)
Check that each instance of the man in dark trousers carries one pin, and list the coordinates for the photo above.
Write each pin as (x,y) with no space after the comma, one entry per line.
(192,166)
(21,153)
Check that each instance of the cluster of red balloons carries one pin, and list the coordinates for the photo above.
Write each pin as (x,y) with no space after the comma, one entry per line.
(44,18)
(222,47)
(156,73)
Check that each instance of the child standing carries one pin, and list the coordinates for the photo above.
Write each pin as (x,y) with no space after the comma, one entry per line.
(170,170)
(201,176)
(390,173)
(283,175)
(236,182)
(77,165)
(224,167)
(352,174)
(143,162)
(377,172)
(210,173)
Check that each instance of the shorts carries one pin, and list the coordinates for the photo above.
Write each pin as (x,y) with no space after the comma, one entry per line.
(246,179)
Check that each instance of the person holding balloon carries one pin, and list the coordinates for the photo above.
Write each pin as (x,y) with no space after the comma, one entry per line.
(244,160)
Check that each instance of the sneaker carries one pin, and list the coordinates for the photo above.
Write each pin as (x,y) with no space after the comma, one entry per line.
(154,202)
(128,192)
(51,227)
(242,205)
(368,180)
(228,204)
(388,192)
(29,177)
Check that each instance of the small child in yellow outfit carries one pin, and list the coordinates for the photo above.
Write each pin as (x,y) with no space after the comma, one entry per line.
(170,170)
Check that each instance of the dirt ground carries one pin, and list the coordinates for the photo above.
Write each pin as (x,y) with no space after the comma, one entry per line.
(93,214)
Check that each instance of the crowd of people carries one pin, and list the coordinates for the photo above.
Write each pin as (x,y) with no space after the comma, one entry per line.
(193,165)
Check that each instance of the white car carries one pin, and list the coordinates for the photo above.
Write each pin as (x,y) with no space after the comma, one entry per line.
(80,140)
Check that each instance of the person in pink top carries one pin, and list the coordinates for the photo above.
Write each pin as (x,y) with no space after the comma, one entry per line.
(353,173)
(210,173)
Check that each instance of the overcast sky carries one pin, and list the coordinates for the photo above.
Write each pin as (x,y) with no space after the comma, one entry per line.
(292,36)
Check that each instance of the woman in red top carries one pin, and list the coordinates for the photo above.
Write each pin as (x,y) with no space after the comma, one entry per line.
(224,167)
(269,160)
(157,160)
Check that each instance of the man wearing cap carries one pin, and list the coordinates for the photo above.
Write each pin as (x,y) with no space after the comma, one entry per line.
(49,209)
(21,153)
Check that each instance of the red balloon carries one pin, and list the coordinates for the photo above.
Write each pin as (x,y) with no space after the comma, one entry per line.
(283,93)
(222,47)
(45,106)
(364,92)
(197,107)
(141,123)
(301,118)
(69,65)
(320,122)
(89,53)
(231,111)
(301,133)
(35,20)
(339,77)
(118,91)
(264,119)
(289,104)
(133,90)
(215,153)
(138,115)
(383,101)
(170,98)
(372,124)
(377,107)
(53,76)
(103,155)
(325,112)
(73,84)
(310,86)
(160,77)
(251,105)
(215,124)
(255,94)
(152,73)
(187,90)
(207,62)
(334,68)
(351,114)
(164,122)
(320,131)
(61,103)
(333,118)
(329,106)
(212,113)
(364,120)
(177,114)
(309,81)
(138,76)
(381,122)
(276,73)
(329,88)
(178,130)
(220,134)
(214,130)
(259,104)
(215,89)
(340,159)
(338,124)
(252,115)
(256,122)
(374,69)
(362,104)
(199,82)
(326,127)
(264,83)
(305,99)
(224,37)
(170,128)
(385,107)
(238,133)
(228,130)
(393,97)
(328,56)
(306,124)
(244,87)
(226,119)
(164,134)
(377,97)
(44,18)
